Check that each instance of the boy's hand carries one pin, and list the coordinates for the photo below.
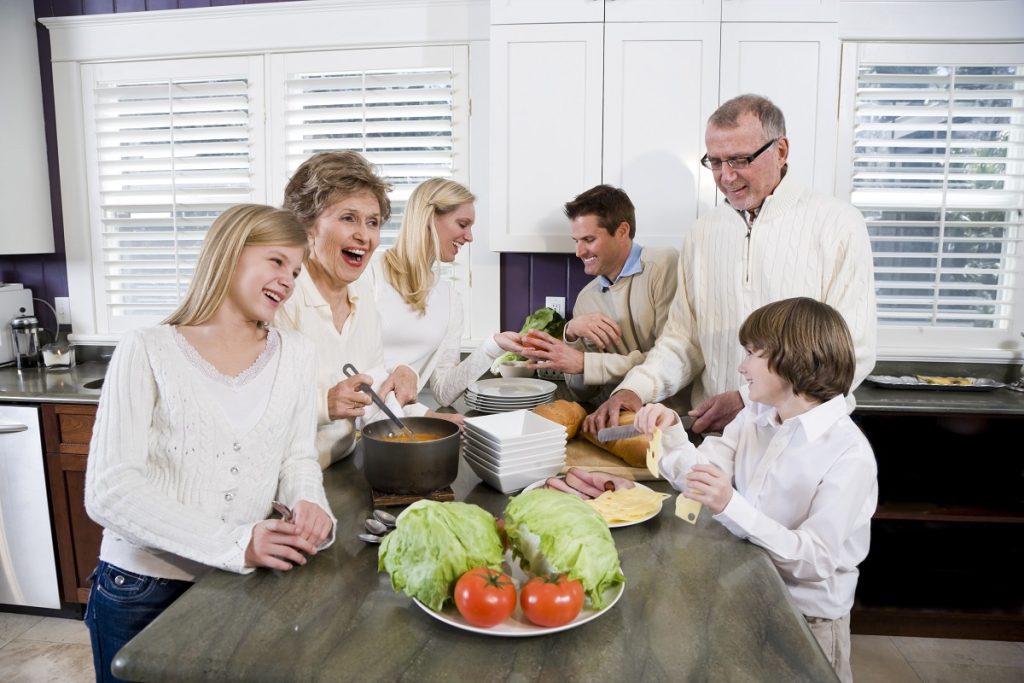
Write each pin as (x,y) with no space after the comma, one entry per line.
(654,415)
(709,485)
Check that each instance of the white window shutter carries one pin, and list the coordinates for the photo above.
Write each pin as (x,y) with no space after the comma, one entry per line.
(172,151)
(938,171)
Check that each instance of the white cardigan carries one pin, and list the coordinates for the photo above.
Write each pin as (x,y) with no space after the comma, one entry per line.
(166,472)
(430,344)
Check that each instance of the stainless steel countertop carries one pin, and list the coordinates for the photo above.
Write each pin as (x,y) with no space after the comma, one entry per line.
(39,385)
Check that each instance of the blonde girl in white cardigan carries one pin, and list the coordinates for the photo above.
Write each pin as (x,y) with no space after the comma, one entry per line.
(203,422)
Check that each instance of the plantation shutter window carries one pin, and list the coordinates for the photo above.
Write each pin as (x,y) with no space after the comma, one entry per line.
(404,109)
(173,146)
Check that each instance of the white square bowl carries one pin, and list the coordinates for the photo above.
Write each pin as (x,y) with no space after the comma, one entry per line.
(511,453)
(509,482)
(516,427)
(501,465)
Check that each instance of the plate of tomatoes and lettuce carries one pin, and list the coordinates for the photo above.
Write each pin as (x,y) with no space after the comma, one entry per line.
(559,569)
(546,595)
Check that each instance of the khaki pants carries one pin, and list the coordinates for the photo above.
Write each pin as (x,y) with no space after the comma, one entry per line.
(833,635)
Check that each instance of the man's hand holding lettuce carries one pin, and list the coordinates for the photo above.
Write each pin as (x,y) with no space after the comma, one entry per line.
(546,319)
(554,533)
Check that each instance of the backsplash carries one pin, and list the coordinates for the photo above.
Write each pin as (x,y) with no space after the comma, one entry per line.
(527,279)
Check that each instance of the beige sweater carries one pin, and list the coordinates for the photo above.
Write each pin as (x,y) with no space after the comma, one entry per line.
(639,304)
(802,244)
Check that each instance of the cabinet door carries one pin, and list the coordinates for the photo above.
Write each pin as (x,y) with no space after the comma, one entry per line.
(545,131)
(780,10)
(545,11)
(662,10)
(661,85)
(797,66)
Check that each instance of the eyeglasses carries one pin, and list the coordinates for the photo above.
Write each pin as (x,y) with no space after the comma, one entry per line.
(736,162)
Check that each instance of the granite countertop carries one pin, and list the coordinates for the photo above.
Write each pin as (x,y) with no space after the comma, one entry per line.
(699,604)
(39,385)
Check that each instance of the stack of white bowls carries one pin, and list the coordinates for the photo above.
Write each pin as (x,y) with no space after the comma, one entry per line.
(512,450)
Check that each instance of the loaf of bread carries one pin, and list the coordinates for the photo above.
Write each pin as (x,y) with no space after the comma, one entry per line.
(567,413)
(633,450)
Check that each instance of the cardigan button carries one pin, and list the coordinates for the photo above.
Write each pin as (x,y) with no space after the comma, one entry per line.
(237,446)
(234,470)
(229,497)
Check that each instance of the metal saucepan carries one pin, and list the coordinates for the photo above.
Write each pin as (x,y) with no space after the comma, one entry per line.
(415,467)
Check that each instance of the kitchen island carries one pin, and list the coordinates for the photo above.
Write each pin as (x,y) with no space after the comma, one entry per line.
(699,604)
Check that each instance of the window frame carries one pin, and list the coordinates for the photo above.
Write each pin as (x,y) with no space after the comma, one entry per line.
(923,341)
(258,30)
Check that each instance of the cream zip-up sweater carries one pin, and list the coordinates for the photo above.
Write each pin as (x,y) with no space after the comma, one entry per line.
(801,244)
(639,303)
(167,472)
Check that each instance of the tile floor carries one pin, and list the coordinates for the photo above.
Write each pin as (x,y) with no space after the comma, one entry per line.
(44,649)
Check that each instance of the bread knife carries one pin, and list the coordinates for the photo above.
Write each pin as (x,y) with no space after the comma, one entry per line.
(629,431)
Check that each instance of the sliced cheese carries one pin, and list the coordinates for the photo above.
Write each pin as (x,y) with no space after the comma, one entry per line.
(686,509)
(624,506)
(654,453)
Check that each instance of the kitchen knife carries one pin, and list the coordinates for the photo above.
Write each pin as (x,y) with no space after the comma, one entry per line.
(628,431)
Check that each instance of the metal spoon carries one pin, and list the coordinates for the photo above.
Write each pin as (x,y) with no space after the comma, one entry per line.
(375,527)
(385,518)
(370,538)
(349,371)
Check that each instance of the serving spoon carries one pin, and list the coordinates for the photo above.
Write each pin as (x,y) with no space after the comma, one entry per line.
(350,371)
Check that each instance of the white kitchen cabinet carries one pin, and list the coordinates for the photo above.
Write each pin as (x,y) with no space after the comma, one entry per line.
(661,81)
(780,10)
(797,66)
(546,84)
(660,85)
(559,136)
(577,11)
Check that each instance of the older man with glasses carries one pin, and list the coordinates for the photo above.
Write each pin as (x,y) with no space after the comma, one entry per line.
(770,239)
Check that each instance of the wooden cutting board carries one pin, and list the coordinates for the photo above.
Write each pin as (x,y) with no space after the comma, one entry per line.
(583,454)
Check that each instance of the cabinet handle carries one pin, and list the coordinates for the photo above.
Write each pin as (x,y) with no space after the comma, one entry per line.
(13,429)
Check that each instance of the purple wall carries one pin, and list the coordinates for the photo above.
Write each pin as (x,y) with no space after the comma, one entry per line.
(526,279)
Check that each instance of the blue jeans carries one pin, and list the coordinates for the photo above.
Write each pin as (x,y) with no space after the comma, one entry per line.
(122,603)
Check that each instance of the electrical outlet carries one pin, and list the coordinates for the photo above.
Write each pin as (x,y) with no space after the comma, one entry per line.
(557,303)
(62,304)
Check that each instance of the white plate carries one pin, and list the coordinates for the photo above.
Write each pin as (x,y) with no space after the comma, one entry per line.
(513,467)
(516,387)
(518,626)
(617,525)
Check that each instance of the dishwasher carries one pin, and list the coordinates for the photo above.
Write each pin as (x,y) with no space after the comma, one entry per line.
(28,567)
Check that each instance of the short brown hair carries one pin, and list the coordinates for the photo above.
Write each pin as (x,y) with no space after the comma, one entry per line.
(326,177)
(772,121)
(611,205)
(807,343)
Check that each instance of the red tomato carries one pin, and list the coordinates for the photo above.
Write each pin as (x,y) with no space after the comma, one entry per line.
(485,597)
(551,600)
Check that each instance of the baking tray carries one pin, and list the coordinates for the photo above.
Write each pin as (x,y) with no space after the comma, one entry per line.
(912,382)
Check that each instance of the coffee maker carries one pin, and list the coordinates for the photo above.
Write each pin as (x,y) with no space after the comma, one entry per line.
(15,301)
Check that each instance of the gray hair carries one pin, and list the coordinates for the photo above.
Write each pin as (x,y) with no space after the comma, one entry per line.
(772,121)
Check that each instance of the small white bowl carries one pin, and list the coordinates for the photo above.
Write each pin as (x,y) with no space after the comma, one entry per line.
(515,368)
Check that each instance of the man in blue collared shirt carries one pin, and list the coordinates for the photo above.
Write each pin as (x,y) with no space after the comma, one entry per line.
(619,314)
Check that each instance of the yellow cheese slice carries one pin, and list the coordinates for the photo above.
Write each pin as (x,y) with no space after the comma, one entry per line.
(625,506)
(686,509)
(654,453)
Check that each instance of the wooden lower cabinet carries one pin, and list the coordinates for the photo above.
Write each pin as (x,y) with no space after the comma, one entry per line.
(67,429)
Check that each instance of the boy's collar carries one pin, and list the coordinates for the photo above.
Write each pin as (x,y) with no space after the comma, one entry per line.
(815,421)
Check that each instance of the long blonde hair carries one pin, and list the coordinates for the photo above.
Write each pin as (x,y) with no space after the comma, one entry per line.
(408,265)
(243,225)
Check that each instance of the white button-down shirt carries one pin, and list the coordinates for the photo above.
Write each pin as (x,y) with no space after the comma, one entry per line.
(804,490)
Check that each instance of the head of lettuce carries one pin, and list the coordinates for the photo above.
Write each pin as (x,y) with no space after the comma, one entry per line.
(552,532)
(433,544)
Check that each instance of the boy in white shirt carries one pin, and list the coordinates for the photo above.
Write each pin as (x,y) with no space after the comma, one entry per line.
(791,473)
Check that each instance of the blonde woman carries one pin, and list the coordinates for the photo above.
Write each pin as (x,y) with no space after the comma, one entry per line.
(342,203)
(203,421)
(421,315)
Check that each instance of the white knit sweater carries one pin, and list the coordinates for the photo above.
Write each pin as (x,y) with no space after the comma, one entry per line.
(167,473)
(802,244)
